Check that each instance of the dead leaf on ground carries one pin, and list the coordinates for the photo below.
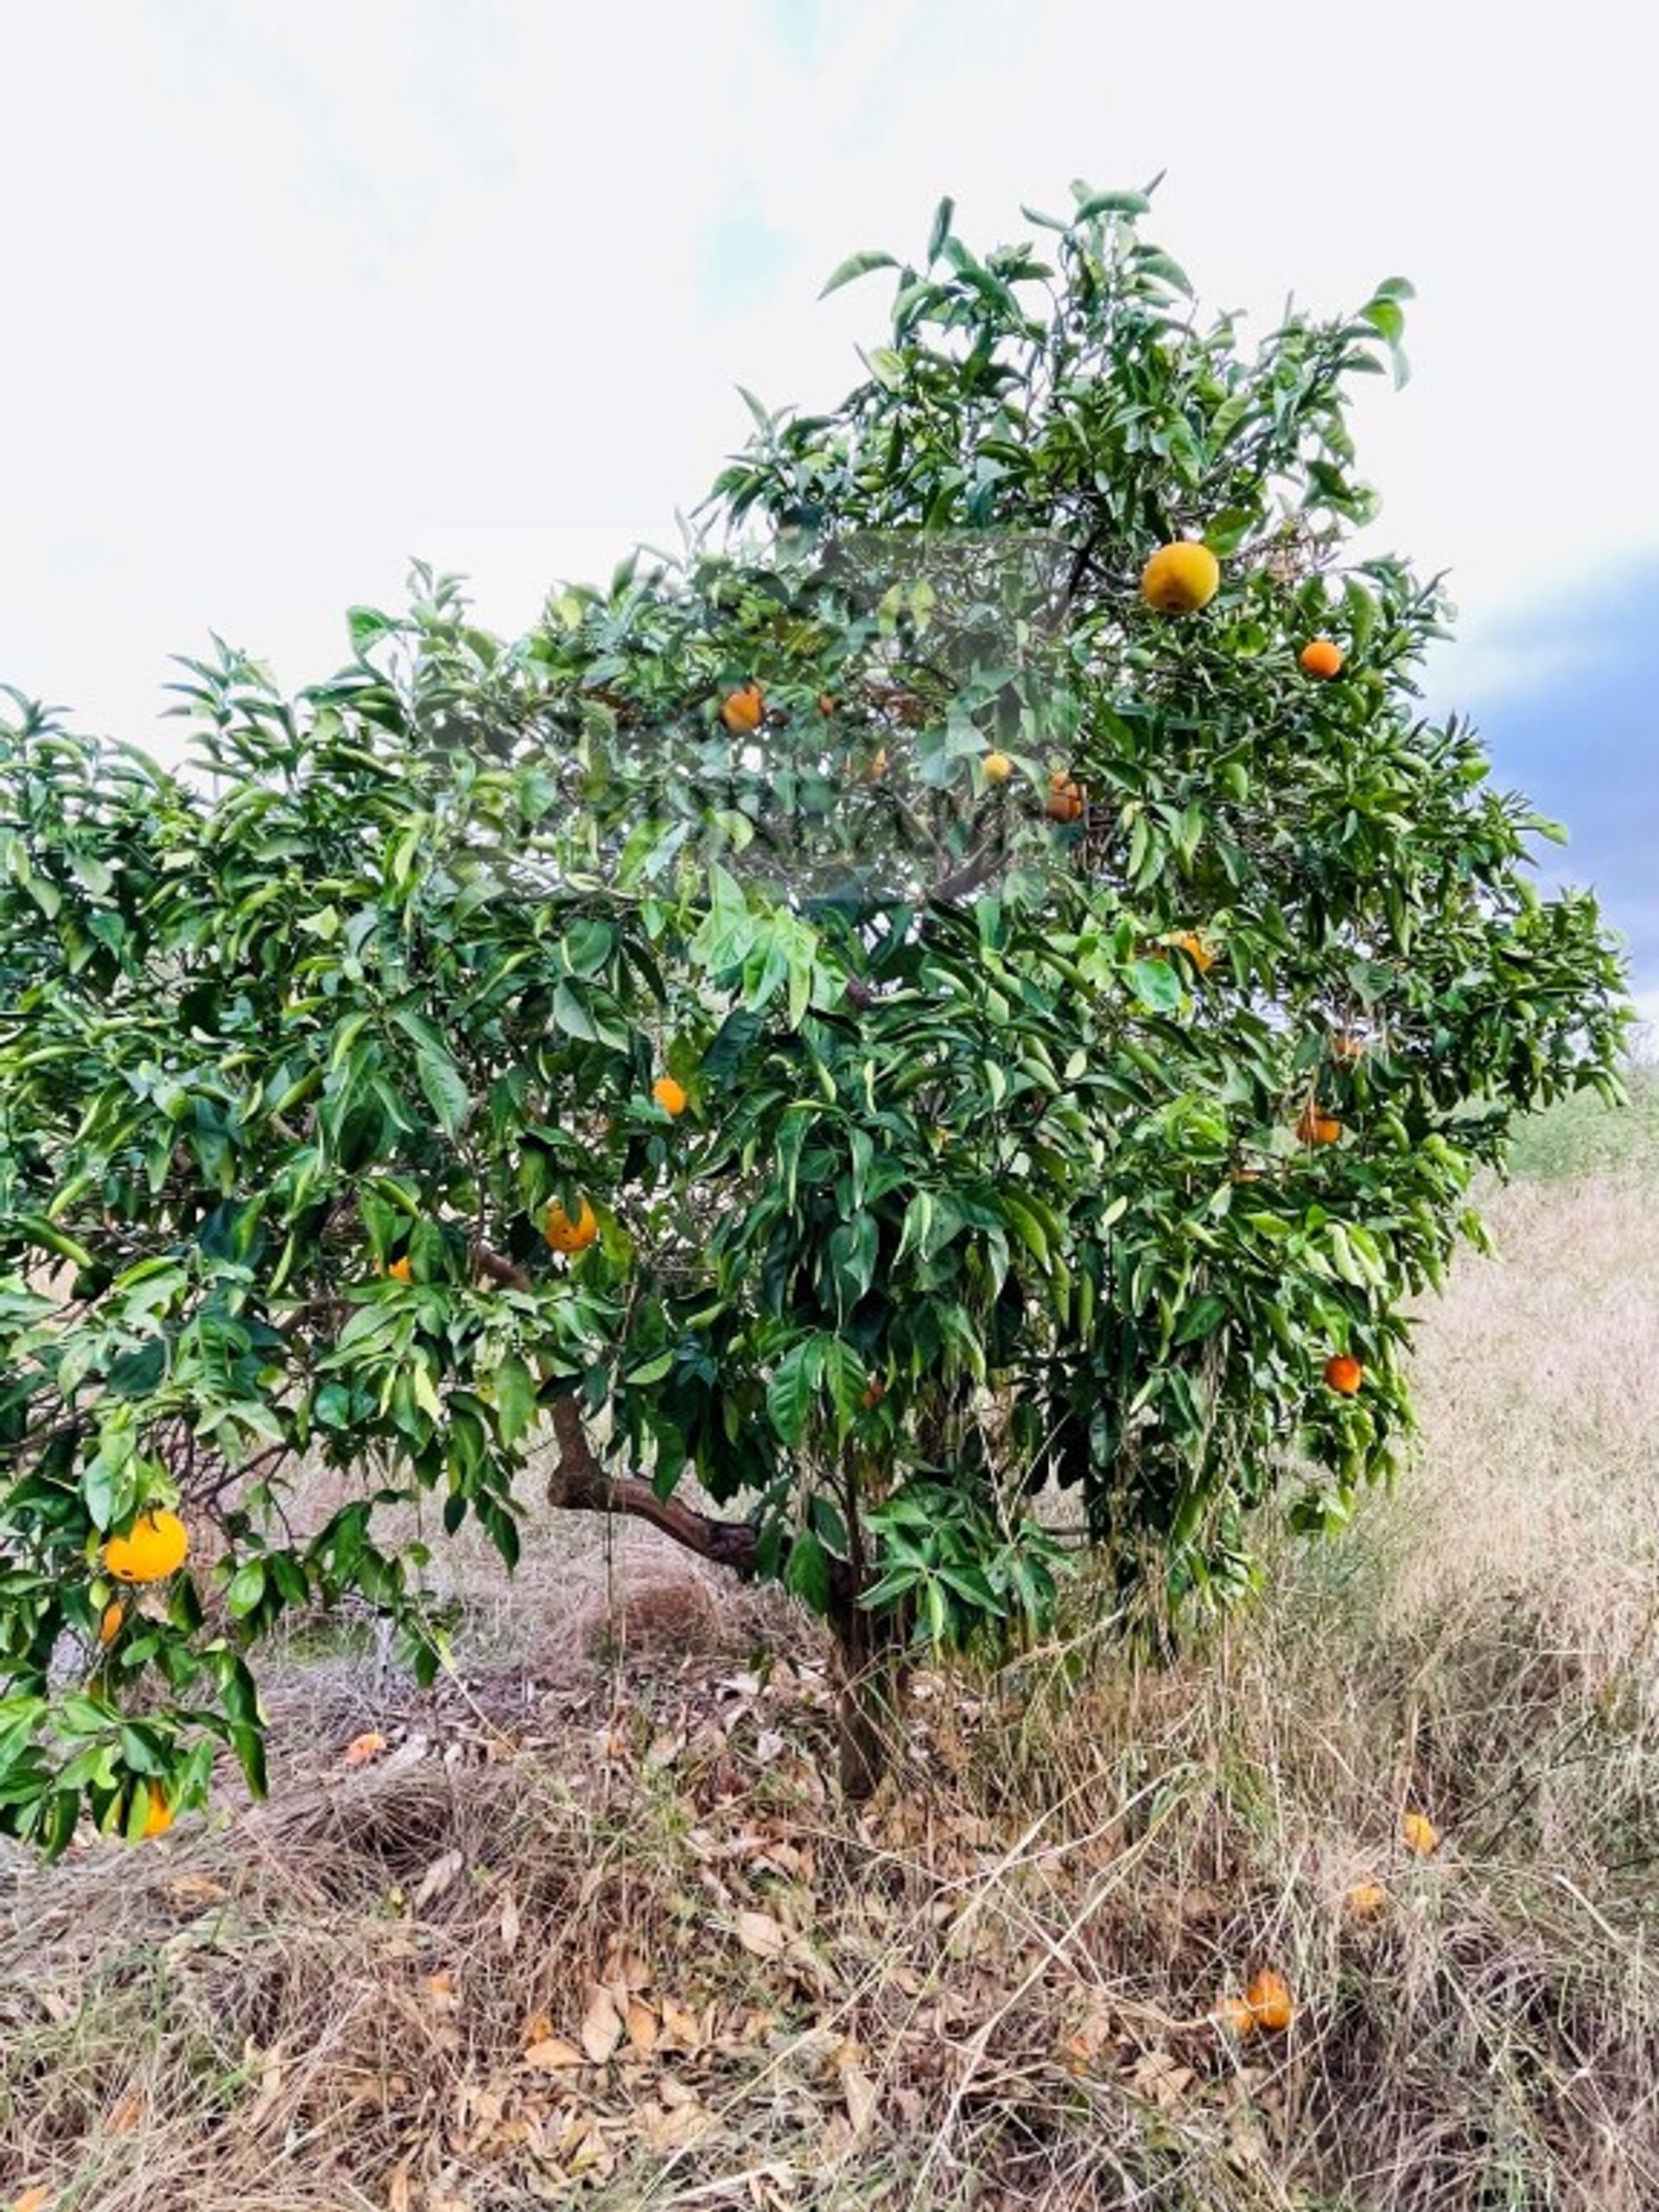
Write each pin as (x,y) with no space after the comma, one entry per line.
(510,1924)
(641,2025)
(437,1878)
(602,2024)
(1157,2078)
(758,1932)
(858,2094)
(553,2055)
(125,2116)
(361,1749)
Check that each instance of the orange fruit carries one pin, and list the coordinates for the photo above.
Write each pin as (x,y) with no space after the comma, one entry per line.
(1365,1899)
(741,710)
(1196,951)
(565,1235)
(668,1095)
(1347,1048)
(1322,657)
(400,1270)
(1064,800)
(109,1627)
(1180,578)
(998,767)
(1344,1373)
(156,1546)
(159,1818)
(1271,2004)
(1318,1128)
(1235,2012)
(1419,1834)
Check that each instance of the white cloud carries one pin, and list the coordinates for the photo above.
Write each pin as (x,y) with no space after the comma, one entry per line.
(302,290)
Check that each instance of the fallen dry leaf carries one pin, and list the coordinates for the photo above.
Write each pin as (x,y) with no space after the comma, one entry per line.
(125,2116)
(553,2055)
(641,2022)
(363,1748)
(437,1878)
(760,1933)
(510,1924)
(858,2094)
(680,2025)
(602,2024)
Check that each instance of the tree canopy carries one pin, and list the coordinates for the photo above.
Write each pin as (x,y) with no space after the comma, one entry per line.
(1081,1019)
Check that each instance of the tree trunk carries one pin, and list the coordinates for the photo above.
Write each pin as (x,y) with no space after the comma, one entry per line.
(871,1674)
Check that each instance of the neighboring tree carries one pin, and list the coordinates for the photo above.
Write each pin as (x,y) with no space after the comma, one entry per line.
(898,1008)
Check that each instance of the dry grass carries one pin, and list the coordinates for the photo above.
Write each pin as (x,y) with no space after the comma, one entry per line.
(993,1989)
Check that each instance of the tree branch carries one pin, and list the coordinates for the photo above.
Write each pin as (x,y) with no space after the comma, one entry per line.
(580,1483)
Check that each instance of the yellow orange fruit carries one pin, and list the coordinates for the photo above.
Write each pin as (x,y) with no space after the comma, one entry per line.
(109,1626)
(1235,2012)
(1272,2006)
(998,767)
(1197,950)
(1419,1834)
(1064,800)
(1365,1899)
(1180,578)
(742,710)
(401,1270)
(565,1234)
(156,1546)
(1322,657)
(1317,1127)
(668,1095)
(159,1818)
(1344,1373)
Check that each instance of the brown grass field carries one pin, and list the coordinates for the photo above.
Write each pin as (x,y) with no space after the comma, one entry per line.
(589,1930)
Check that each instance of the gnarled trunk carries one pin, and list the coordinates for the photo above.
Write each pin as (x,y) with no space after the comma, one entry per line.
(871,1674)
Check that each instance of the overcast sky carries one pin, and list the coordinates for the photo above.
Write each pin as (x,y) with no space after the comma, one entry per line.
(293,289)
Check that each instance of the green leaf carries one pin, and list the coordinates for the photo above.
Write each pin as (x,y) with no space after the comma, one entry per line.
(941,230)
(806,1572)
(514,1388)
(444,1086)
(1111,203)
(856,266)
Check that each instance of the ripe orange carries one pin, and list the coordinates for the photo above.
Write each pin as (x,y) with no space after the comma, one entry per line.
(565,1235)
(668,1095)
(1064,800)
(109,1626)
(1318,1128)
(1419,1834)
(1180,578)
(156,1546)
(741,710)
(1347,1048)
(159,1818)
(1196,951)
(401,1270)
(1235,2012)
(1272,2006)
(1344,1373)
(1322,657)
(1365,1899)
(998,767)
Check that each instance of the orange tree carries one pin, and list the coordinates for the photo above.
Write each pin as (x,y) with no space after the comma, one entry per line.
(902,1005)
